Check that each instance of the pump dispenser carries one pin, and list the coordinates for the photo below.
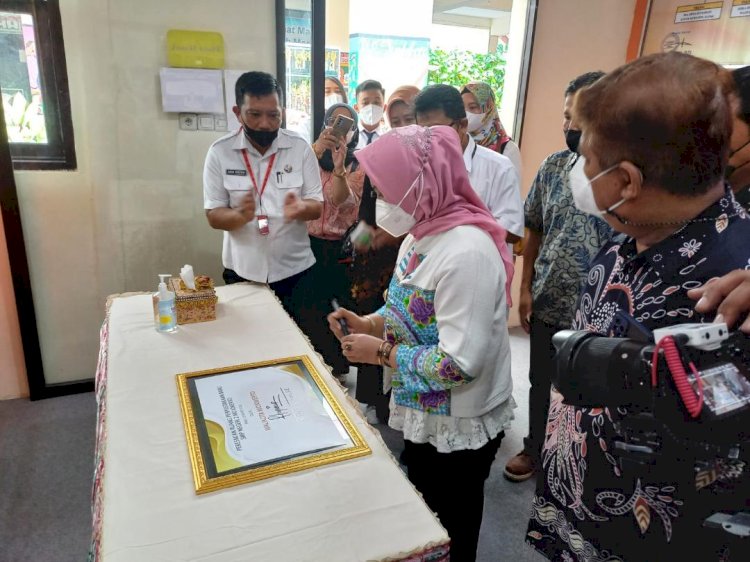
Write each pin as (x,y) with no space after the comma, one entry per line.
(166,317)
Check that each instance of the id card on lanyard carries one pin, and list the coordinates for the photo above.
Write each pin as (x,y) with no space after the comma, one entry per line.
(262,217)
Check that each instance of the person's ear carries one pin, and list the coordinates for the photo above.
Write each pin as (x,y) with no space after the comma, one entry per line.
(356,107)
(236,111)
(633,177)
(385,108)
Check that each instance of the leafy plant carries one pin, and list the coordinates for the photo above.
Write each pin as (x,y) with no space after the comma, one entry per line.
(24,120)
(460,67)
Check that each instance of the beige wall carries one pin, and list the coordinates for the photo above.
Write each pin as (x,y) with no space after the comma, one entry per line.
(133,208)
(12,370)
(572,37)
(337,24)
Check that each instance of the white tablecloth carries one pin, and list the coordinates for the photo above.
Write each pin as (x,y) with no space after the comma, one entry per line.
(363,509)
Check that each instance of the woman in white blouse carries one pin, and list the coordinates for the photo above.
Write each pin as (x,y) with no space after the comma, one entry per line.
(443,328)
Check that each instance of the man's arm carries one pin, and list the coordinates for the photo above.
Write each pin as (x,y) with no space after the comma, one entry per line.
(301,209)
(530,252)
(216,199)
(224,218)
(308,205)
(504,202)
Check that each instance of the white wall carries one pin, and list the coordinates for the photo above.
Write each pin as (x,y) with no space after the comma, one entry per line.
(133,208)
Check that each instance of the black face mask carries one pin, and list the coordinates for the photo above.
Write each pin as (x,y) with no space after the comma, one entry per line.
(262,138)
(572,138)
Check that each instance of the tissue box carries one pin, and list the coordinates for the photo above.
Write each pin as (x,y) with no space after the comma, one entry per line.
(195,305)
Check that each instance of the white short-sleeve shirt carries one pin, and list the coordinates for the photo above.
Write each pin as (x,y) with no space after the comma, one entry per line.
(285,251)
(496,181)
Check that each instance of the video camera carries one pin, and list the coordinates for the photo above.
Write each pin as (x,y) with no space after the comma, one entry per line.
(686,390)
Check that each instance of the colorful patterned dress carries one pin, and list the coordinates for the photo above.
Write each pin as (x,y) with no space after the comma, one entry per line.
(589,505)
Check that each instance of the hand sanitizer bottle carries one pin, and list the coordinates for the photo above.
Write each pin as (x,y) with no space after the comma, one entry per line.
(166,316)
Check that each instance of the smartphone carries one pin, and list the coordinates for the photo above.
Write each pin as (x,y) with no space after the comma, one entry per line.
(342,322)
(342,125)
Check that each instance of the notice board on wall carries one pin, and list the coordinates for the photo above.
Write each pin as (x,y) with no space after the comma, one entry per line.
(718,31)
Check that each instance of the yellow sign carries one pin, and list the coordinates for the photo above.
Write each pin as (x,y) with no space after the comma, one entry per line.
(698,12)
(195,49)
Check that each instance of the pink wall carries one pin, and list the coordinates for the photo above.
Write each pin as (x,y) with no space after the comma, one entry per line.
(12,370)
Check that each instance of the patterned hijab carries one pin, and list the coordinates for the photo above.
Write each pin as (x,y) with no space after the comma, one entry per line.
(492,133)
(443,197)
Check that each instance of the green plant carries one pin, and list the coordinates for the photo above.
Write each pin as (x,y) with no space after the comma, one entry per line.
(24,120)
(460,67)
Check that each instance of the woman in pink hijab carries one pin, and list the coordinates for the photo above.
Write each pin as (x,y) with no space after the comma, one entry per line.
(443,329)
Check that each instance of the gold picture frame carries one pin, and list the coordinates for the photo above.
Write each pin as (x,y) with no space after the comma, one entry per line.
(215,469)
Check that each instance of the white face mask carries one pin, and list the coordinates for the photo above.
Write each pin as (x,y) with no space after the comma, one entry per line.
(392,218)
(583,190)
(332,99)
(475,121)
(371,114)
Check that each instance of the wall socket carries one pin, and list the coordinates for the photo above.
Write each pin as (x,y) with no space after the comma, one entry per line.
(188,122)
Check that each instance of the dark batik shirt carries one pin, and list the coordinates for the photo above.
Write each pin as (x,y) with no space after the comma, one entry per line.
(570,240)
(588,505)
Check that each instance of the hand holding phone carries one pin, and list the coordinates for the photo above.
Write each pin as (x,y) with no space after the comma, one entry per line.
(341,126)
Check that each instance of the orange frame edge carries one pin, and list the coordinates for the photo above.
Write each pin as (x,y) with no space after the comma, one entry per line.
(637,29)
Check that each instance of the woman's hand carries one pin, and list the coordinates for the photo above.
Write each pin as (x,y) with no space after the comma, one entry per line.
(361,348)
(327,140)
(339,158)
(729,296)
(356,324)
(382,239)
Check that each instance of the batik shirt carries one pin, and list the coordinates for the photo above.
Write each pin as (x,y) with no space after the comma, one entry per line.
(589,505)
(570,240)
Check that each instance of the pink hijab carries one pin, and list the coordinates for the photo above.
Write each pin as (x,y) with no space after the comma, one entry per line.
(402,155)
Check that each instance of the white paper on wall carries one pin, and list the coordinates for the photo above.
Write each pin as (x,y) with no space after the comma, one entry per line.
(194,90)
(230,79)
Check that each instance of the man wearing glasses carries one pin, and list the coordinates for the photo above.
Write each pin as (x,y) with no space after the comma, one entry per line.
(260,184)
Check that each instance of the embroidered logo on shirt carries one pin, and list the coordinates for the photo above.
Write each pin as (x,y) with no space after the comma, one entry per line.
(236,172)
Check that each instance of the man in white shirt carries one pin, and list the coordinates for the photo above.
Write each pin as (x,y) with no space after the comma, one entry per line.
(370,107)
(492,175)
(260,184)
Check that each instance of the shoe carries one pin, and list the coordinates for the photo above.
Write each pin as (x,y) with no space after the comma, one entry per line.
(520,468)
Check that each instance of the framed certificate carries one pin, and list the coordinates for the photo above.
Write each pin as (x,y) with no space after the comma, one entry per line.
(255,421)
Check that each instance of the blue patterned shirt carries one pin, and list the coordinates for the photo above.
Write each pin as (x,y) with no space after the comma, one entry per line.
(570,240)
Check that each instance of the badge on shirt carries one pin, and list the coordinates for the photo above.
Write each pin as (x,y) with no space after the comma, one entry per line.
(288,168)
(236,172)
(263,224)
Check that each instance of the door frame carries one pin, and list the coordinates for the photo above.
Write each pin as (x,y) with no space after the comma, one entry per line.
(21,279)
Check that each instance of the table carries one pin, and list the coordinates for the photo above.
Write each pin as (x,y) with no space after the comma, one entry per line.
(145,506)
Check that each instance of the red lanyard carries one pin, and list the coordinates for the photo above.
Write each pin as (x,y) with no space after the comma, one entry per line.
(252,175)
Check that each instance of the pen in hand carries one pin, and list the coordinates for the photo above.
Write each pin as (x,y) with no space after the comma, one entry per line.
(341,321)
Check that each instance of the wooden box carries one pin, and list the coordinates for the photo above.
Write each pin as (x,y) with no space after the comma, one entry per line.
(195,305)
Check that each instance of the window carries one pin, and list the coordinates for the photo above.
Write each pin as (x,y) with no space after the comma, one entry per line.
(34,85)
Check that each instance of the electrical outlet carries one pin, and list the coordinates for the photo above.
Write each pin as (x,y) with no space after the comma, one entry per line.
(206,122)
(188,121)
(220,122)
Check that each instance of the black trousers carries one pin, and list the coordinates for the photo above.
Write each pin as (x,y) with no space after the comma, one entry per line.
(292,292)
(330,281)
(541,365)
(452,485)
